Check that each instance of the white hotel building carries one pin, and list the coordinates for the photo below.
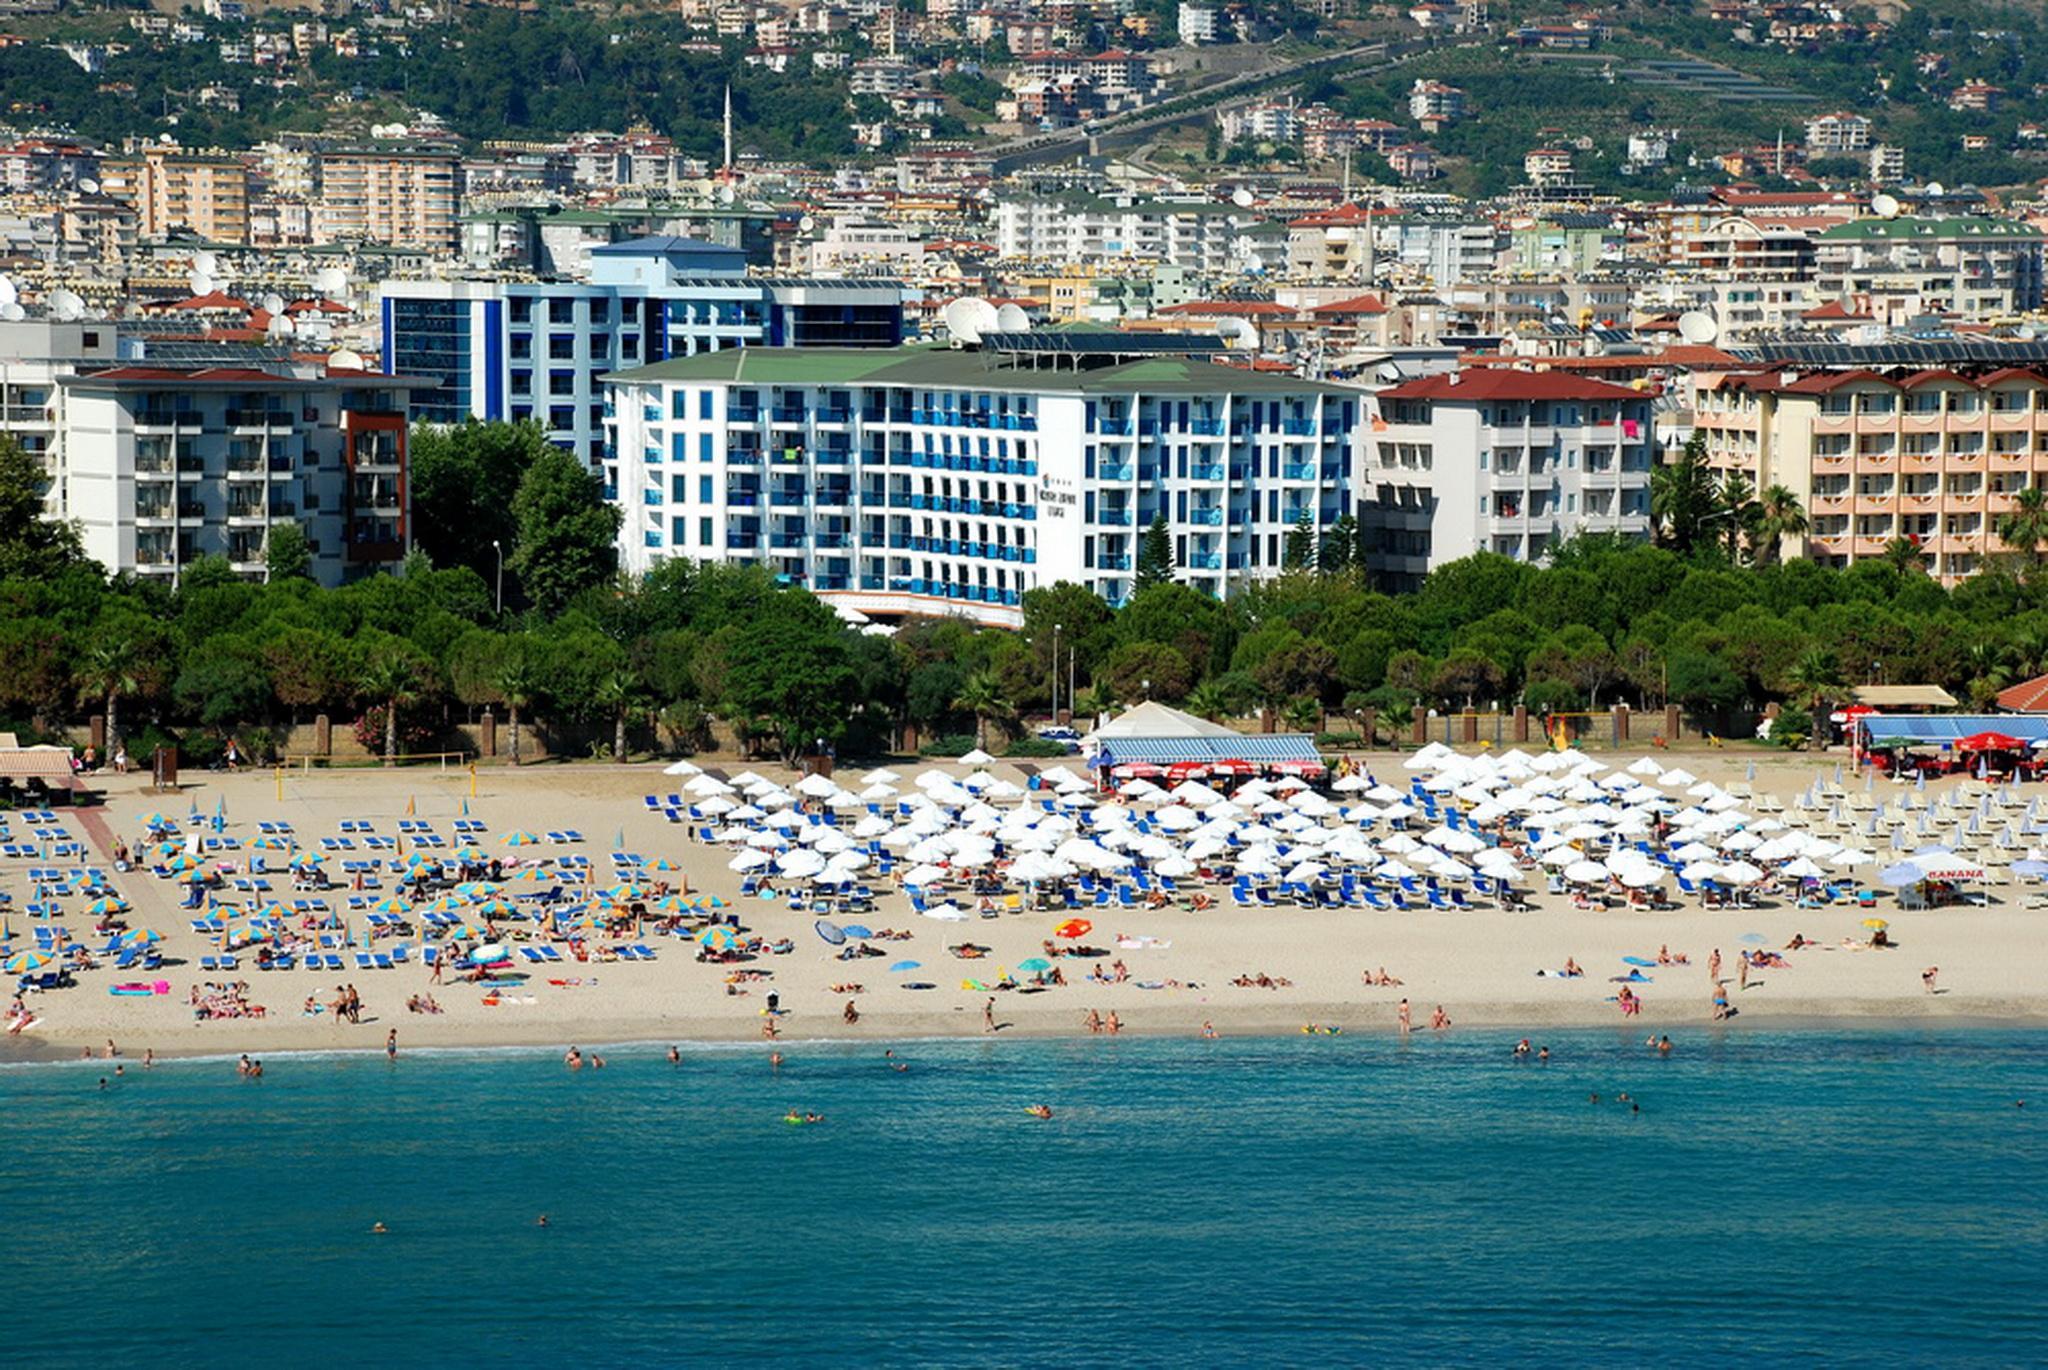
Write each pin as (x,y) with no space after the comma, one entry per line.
(921,480)
(1495,459)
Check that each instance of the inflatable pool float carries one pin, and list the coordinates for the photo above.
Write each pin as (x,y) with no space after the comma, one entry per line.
(132,989)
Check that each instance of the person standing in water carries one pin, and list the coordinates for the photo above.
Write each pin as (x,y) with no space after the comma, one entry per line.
(1403,1014)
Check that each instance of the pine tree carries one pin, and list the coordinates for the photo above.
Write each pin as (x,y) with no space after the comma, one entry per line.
(1155,554)
(1299,551)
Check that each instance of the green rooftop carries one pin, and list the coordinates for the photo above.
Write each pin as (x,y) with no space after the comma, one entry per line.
(946,368)
(1901,230)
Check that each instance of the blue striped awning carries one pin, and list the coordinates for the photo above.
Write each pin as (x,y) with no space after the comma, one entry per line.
(1260,749)
(1932,730)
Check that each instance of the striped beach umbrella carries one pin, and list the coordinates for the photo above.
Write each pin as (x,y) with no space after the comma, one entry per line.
(138,937)
(391,904)
(22,962)
(719,938)
(270,842)
(520,839)
(107,904)
(156,822)
(184,861)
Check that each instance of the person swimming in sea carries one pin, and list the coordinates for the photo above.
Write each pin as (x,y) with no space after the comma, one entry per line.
(1039,1111)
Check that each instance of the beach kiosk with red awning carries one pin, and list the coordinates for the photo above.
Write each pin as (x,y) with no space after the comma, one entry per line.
(1155,742)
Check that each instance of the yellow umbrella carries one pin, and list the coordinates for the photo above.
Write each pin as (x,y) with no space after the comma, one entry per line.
(1875,924)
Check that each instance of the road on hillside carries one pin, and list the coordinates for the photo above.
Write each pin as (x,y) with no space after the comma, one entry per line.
(1201,104)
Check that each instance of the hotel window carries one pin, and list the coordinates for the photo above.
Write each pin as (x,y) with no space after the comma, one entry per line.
(703,404)
(703,447)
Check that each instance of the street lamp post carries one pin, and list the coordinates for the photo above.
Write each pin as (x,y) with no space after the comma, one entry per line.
(499,548)
(1056,676)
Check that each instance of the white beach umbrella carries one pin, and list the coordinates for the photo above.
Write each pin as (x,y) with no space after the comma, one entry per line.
(883,776)
(817,786)
(946,913)
(1741,873)
(921,875)
(751,859)
(682,768)
(1394,870)
(975,757)
(800,864)
(1586,873)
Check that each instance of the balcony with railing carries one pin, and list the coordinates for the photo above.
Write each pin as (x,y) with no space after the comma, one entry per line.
(259,420)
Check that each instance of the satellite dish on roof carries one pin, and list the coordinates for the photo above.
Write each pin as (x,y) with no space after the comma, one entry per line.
(806,224)
(1884,206)
(8,293)
(200,282)
(1238,334)
(725,195)
(280,326)
(207,262)
(347,359)
(273,303)
(332,282)
(66,306)
(167,140)
(1936,189)
(1698,327)
(13,313)
(968,318)
(89,186)
(1011,319)
(1242,198)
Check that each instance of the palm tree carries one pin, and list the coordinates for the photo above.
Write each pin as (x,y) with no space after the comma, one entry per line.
(1302,714)
(1097,701)
(1815,679)
(392,680)
(1903,554)
(1735,504)
(106,675)
(1207,700)
(1778,516)
(981,694)
(516,686)
(2025,527)
(616,692)
(1682,497)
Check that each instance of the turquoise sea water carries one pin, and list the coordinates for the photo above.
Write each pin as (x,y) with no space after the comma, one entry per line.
(1841,1196)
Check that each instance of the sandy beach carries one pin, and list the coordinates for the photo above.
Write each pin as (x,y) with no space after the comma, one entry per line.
(1481,966)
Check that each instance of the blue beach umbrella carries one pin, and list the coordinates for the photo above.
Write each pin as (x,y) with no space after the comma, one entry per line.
(1034,964)
(857,930)
(831,932)
(901,966)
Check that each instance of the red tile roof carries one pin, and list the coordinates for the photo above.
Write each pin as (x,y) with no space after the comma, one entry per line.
(1363,304)
(1501,383)
(2027,697)
(217,299)
(1239,309)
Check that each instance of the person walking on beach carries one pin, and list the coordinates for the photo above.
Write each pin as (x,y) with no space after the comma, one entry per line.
(1402,1014)
(1927,978)
(1714,966)
(1742,972)
(988,1015)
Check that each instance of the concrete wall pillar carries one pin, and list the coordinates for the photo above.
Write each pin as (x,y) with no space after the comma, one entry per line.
(1621,722)
(1468,731)
(1418,731)
(96,732)
(323,736)
(1671,722)
(1521,723)
(487,734)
